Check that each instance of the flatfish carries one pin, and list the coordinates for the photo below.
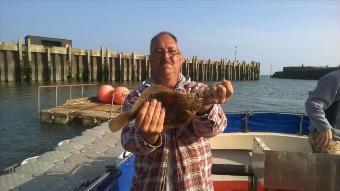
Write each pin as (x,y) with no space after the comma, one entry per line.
(180,107)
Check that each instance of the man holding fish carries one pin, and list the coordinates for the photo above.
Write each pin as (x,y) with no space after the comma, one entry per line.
(167,123)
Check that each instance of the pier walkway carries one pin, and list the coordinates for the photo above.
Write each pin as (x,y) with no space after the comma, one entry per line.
(71,164)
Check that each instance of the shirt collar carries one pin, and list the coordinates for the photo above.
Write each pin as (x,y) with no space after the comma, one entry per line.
(182,80)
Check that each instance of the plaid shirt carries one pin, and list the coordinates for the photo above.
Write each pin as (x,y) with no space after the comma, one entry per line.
(188,143)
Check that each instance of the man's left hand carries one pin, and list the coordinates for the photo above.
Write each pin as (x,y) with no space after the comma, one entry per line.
(323,140)
(217,93)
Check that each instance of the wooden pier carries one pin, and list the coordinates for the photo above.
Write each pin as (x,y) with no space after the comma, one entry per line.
(29,62)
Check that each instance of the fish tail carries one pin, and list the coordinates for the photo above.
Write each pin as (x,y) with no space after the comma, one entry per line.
(118,122)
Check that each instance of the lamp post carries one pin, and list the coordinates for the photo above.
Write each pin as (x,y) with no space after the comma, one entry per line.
(235,52)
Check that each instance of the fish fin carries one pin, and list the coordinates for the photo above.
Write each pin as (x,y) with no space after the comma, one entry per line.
(118,122)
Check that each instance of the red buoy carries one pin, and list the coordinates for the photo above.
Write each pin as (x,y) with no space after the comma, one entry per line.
(105,93)
(119,94)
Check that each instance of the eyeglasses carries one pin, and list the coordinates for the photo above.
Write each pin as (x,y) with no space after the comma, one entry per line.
(161,52)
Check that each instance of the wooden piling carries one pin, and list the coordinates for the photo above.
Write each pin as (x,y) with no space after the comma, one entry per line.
(101,65)
(148,66)
(2,60)
(88,66)
(69,65)
(57,66)
(28,72)
(133,67)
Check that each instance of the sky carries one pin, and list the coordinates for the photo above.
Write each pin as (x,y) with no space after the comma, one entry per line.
(277,33)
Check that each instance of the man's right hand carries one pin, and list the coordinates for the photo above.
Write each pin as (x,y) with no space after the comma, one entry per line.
(150,121)
(323,140)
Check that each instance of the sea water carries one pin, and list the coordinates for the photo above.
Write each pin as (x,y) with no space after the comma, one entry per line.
(23,135)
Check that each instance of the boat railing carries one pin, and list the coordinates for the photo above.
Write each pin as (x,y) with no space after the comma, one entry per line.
(56,87)
(247,121)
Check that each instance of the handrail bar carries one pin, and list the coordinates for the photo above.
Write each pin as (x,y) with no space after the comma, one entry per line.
(56,91)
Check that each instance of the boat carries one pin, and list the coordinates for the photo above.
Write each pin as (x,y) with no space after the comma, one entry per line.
(257,151)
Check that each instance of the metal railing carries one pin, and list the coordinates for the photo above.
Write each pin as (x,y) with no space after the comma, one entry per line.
(56,91)
(247,115)
(10,169)
(112,103)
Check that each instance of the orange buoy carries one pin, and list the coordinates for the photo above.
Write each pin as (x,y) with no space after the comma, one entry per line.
(119,94)
(105,93)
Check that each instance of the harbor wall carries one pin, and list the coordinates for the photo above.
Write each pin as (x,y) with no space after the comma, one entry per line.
(304,72)
(36,63)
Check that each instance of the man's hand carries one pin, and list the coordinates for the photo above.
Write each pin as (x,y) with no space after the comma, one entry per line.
(150,120)
(217,93)
(323,140)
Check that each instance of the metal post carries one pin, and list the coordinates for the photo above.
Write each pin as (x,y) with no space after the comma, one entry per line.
(70,92)
(82,91)
(247,114)
(235,52)
(246,122)
(56,96)
(113,94)
(38,101)
(301,125)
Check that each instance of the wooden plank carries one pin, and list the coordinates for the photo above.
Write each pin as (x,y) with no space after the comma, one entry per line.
(29,59)
(194,68)
(139,70)
(95,68)
(69,64)
(133,66)
(39,67)
(8,46)
(121,68)
(108,66)
(54,67)
(142,69)
(34,67)
(63,68)
(81,68)
(130,68)
(233,73)
(201,70)
(48,69)
(229,70)
(2,65)
(209,70)
(220,70)
(113,69)
(88,66)
(101,66)
(149,66)
(74,68)
(19,69)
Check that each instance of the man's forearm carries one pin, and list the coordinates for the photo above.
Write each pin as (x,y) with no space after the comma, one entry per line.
(316,115)
(210,124)
(133,141)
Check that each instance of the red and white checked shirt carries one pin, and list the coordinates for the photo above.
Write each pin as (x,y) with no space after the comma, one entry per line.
(188,143)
